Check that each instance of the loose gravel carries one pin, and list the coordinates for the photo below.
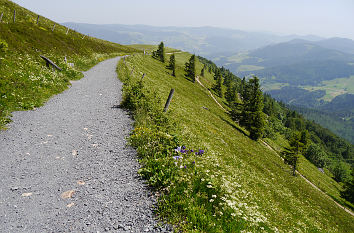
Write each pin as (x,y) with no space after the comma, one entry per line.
(65,167)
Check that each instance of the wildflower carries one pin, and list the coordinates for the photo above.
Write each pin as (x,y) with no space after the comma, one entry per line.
(183,147)
(213,196)
(177,157)
(178,149)
(211,200)
(200,152)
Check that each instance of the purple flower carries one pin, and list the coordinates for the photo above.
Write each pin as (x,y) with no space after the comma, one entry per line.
(177,157)
(183,147)
(185,167)
(192,151)
(200,152)
(178,149)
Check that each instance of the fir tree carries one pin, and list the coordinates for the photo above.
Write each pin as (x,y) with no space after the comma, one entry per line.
(231,93)
(252,110)
(172,65)
(348,192)
(190,68)
(216,74)
(218,85)
(159,54)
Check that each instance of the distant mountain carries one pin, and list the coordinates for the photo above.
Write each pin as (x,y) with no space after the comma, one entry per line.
(210,42)
(317,75)
(340,44)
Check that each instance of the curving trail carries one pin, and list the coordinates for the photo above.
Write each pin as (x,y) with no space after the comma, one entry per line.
(65,167)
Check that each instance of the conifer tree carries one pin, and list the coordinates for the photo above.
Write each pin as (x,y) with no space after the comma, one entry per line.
(159,54)
(348,192)
(218,86)
(252,110)
(230,94)
(216,74)
(172,65)
(190,68)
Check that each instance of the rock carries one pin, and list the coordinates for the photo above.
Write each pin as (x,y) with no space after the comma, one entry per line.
(26,194)
(67,194)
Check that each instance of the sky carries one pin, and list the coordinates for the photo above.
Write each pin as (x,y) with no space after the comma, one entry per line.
(327,18)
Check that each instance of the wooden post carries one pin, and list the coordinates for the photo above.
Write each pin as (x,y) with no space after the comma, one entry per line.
(53,28)
(37,20)
(66,60)
(169,100)
(142,77)
(67,31)
(14,16)
(84,37)
(2,14)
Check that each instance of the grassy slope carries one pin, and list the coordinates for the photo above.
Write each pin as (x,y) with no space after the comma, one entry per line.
(24,80)
(257,180)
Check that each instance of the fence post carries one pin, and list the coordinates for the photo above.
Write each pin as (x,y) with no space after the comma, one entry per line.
(142,77)
(169,100)
(53,28)
(67,31)
(2,14)
(14,16)
(37,20)
(84,37)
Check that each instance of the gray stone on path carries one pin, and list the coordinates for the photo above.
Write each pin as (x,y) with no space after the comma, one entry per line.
(65,167)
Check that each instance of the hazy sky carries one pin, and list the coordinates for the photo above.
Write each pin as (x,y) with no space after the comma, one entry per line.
(319,17)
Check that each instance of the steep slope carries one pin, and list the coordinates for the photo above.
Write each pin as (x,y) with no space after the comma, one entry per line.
(25,81)
(249,178)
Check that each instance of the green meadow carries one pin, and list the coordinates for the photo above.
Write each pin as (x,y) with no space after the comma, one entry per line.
(254,189)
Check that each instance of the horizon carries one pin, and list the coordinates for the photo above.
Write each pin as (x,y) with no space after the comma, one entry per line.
(332,18)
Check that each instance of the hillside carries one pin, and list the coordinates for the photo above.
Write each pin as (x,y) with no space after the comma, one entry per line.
(211,42)
(25,81)
(237,183)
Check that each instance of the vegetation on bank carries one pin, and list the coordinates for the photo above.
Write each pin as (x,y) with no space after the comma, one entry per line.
(25,81)
(236,184)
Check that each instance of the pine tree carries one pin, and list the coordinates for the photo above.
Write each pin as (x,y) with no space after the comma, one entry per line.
(172,65)
(296,147)
(348,192)
(216,74)
(218,85)
(252,110)
(230,94)
(159,54)
(190,68)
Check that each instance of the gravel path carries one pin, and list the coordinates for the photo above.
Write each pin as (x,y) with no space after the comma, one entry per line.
(65,167)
